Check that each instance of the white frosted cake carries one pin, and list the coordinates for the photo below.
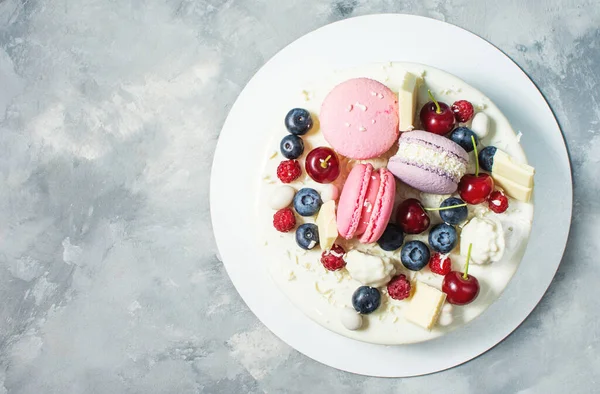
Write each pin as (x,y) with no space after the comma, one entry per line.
(370,162)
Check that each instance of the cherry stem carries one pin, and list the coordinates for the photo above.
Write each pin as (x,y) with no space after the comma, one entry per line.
(444,208)
(324,162)
(438,110)
(476,156)
(466,273)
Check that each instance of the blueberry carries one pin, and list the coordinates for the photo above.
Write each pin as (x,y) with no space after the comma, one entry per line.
(307,236)
(442,238)
(414,255)
(298,121)
(486,158)
(462,136)
(366,299)
(291,146)
(453,215)
(307,202)
(392,238)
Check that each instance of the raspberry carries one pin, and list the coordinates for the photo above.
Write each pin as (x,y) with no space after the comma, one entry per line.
(284,220)
(498,202)
(440,264)
(333,259)
(399,287)
(463,110)
(288,171)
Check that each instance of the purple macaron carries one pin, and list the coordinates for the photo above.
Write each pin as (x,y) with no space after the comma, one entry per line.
(429,162)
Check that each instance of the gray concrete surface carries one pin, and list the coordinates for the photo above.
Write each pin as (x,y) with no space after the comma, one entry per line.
(109,115)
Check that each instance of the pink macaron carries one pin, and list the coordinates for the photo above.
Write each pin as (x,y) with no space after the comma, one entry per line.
(429,162)
(366,203)
(359,118)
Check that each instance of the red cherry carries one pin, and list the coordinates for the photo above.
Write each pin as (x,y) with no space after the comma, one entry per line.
(437,117)
(411,216)
(475,189)
(460,288)
(498,202)
(460,291)
(322,165)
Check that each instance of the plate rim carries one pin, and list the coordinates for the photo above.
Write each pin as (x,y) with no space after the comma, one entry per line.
(563,145)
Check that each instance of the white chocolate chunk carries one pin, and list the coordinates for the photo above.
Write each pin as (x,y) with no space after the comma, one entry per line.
(425,306)
(519,173)
(407,101)
(513,189)
(326,222)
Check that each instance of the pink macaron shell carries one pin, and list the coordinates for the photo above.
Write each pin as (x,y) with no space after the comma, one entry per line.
(369,203)
(421,179)
(359,118)
(351,200)
(382,210)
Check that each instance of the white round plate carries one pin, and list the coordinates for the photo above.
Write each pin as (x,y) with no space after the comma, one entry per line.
(371,39)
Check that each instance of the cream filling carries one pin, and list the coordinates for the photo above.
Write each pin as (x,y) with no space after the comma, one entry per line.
(431,158)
